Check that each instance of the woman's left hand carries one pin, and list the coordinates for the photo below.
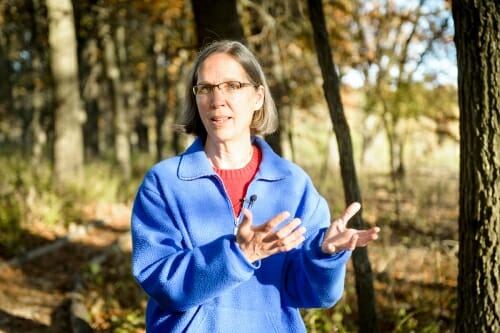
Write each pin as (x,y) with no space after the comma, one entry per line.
(338,237)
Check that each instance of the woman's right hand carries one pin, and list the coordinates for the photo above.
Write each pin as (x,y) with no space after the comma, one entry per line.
(259,242)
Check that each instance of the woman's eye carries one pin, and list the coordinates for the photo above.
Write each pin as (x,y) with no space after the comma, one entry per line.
(233,85)
(203,90)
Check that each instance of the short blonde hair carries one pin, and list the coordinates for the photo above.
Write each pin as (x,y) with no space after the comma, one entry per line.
(265,120)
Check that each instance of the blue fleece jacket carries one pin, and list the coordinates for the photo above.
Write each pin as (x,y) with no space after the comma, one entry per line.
(187,261)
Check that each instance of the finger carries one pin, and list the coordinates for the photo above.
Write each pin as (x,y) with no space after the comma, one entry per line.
(350,212)
(328,248)
(272,223)
(298,237)
(289,228)
(366,236)
(295,238)
(291,241)
(374,232)
(353,242)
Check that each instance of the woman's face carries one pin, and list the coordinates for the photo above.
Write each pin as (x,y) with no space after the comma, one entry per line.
(227,112)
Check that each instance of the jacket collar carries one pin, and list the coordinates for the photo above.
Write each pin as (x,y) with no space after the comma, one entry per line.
(194,163)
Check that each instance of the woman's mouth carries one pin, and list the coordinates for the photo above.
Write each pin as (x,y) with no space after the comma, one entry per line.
(219,120)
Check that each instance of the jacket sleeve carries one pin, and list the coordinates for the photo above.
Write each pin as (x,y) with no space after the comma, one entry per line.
(175,276)
(312,278)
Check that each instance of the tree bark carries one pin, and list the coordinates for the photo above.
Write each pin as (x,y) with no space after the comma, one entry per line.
(477,40)
(113,75)
(331,88)
(68,145)
(92,72)
(160,91)
(38,135)
(6,100)
(215,20)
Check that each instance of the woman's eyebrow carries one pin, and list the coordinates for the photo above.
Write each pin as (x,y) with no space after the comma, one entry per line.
(223,80)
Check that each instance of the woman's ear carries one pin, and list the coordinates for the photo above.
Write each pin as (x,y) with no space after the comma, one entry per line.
(259,101)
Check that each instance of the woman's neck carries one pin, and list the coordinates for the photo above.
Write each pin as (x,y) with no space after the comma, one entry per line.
(229,155)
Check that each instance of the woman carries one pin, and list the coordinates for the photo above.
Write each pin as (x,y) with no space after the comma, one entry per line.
(228,236)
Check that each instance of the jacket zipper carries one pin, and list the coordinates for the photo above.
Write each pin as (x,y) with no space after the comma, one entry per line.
(237,219)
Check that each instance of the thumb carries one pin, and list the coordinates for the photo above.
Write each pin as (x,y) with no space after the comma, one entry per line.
(246,224)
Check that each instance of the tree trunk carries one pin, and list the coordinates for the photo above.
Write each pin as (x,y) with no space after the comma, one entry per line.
(477,40)
(280,140)
(68,145)
(160,89)
(215,20)
(6,100)
(131,95)
(92,72)
(361,263)
(113,74)
(178,141)
(148,109)
(38,136)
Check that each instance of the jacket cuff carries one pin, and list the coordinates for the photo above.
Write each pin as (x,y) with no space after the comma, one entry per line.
(313,251)
(255,265)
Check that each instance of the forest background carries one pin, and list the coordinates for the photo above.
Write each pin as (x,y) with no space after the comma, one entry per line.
(64,206)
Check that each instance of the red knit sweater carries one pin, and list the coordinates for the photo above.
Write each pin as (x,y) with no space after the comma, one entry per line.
(236,180)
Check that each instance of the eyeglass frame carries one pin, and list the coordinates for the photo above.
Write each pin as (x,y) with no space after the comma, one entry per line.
(219,86)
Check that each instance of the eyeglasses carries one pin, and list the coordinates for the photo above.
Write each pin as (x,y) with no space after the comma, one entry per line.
(227,88)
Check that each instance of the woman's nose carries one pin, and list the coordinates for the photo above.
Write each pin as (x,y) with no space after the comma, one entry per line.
(217,97)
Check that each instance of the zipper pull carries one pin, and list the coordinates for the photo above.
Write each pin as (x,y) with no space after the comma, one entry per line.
(236,225)
(239,219)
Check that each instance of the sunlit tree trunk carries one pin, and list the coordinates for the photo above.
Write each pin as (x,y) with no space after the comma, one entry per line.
(68,145)
(113,74)
(331,87)
(131,95)
(38,135)
(149,109)
(179,141)
(93,84)
(160,90)
(477,39)
(171,81)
